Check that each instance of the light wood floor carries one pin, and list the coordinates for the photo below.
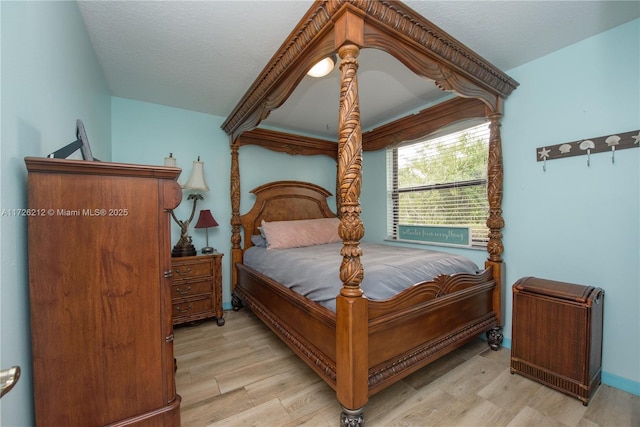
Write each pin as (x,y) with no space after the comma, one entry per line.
(241,374)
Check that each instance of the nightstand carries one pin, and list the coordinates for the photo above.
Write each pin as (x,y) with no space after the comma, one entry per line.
(196,288)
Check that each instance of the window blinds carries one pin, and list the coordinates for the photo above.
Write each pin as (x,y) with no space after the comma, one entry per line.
(440,180)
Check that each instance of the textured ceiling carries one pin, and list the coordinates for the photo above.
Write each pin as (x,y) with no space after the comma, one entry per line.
(203,55)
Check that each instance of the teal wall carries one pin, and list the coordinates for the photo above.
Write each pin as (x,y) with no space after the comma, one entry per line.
(187,135)
(572,223)
(50,78)
(147,133)
(575,223)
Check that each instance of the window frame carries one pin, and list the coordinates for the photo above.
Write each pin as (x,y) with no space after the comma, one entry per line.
(394,192)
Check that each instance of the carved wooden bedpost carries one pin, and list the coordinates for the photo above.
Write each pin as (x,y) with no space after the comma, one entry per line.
(495,222)
(351,306)
(236,250)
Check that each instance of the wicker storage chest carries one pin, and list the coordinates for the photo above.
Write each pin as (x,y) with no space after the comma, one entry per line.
(557,335)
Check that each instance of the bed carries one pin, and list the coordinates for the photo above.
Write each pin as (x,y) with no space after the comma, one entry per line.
(362,345)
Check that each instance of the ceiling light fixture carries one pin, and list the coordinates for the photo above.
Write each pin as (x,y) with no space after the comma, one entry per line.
(323,67)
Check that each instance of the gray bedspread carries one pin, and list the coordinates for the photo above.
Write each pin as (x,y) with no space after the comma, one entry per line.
(313,271)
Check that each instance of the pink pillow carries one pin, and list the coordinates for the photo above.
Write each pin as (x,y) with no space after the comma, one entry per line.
(304,232)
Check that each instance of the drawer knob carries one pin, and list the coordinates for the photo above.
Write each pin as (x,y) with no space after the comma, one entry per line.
(183,273)
(181,310)
(184,291)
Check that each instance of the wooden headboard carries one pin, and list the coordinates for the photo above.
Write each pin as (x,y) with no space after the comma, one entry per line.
(285,201)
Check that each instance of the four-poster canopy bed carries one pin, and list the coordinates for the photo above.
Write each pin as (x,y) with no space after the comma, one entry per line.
(363,345)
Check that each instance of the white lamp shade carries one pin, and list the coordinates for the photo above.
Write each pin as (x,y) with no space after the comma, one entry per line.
(196,180)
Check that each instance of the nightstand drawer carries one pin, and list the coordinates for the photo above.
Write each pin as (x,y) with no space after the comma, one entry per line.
(187,308)
(188,270)
(195,287)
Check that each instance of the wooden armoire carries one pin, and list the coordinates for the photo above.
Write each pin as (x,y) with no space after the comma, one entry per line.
(100,293)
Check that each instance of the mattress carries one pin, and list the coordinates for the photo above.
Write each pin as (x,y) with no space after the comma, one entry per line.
(313,271)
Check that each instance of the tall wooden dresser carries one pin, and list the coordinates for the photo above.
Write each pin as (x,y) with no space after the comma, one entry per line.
(100,293)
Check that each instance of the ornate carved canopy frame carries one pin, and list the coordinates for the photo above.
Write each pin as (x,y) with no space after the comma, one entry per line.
(345,27)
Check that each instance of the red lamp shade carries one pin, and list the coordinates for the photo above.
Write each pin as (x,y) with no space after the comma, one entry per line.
(206,220)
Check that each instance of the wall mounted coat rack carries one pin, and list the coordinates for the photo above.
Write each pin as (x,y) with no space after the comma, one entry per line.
(608,143)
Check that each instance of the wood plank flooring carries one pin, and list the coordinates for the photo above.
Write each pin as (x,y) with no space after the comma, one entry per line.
(241,374)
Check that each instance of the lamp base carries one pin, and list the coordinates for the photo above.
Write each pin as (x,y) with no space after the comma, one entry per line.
(208,250)
(185,250)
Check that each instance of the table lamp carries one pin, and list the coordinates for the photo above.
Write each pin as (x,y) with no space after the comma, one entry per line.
(196,182)
(206,220)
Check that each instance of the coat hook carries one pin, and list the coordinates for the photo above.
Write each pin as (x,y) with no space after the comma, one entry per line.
(587,144)
(612,141)
(544,153)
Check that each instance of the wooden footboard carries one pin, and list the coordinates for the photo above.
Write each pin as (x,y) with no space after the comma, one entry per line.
(405,333)
(425,323)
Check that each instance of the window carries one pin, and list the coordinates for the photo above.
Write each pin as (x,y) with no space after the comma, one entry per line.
(440,181)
